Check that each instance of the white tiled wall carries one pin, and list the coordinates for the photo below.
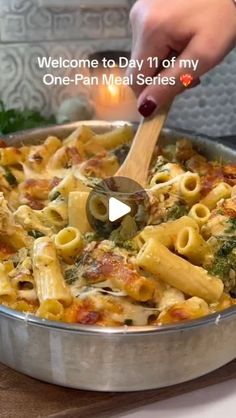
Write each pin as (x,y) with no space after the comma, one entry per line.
(210,108)
(26,21)
(28,30)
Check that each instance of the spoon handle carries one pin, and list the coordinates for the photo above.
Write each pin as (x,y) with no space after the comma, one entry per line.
(137,162)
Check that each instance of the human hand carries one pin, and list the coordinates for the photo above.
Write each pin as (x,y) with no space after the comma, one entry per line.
(196,29)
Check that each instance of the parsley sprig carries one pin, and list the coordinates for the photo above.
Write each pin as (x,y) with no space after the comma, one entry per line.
(12,120)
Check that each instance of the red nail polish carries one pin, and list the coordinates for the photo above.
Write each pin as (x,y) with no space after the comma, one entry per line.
(195,83)
(147,107)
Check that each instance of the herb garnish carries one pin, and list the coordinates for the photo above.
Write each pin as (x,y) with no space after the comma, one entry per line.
(71,275)
(128,322)
(176,212)
(9,176)
(36,234)
(55,196)
(13,120)
(232,225)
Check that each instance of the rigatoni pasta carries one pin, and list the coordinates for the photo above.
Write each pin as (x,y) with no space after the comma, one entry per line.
(48,276)
(51,309)
(180,266)
(179,273)
(77,211)
(190,187)
(69,243)
(7,291)
(191,244)
(221,191)
(200,213)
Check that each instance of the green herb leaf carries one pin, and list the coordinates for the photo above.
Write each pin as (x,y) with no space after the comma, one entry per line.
(176,212)
(227,247)
(71,275)
(13,120)
(128,322)
(55,196)
(90,237)
(220,267)
(9,176)
(121,153)
(36,234)
(232,225)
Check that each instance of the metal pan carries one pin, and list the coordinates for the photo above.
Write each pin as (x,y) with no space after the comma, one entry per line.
(117,359)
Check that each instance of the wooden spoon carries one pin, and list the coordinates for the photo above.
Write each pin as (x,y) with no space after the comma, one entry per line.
(137,162)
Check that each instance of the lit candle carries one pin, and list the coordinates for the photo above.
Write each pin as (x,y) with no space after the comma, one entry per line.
(113,101)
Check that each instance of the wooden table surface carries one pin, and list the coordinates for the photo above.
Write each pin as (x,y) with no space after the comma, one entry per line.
(24,397)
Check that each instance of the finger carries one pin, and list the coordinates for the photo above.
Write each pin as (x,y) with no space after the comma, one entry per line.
(141,54)
(194,84)
(155,96)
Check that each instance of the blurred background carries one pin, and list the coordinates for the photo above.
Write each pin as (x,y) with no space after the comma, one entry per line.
(77,29)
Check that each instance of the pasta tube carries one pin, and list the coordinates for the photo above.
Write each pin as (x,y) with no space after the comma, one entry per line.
(25,287)
(221,191)
(200,213)
(49,280)
(190,187)
(160,177)
(115,138)
(69,184)
(56,213)
(69,243)
(31,219)
(166,233)
(137,287)
(82,134)
(13,234)
(98,206)
(7,291)
(40,154)
(77,211)
(191,244)
(192,308)
(24,306)
(177,272)
(51,309)
(160,188)
(11,156)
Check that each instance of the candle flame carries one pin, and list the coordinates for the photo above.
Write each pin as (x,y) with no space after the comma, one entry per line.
(113,90)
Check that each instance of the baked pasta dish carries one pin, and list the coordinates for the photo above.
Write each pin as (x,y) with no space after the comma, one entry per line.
(181,266)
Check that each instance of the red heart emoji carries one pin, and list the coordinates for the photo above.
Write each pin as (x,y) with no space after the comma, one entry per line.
(186,79)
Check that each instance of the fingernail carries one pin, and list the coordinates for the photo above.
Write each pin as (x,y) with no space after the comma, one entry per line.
(147,107)
(195,83)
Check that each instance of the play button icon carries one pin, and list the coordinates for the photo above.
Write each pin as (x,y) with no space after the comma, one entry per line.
(118,204)
(117,209)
